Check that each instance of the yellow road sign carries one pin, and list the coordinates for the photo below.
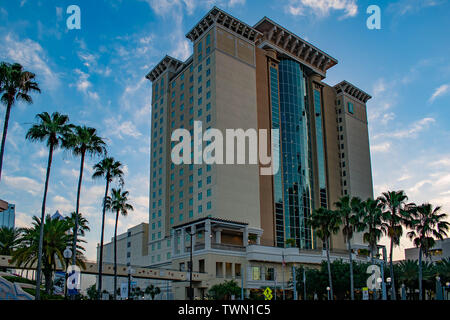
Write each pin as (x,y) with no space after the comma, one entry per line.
(268,293)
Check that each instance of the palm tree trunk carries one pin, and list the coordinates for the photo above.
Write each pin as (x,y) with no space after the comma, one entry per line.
(372,254)
(41,232)
(420,274)
(330,281)
(100,264)
(77,210)
(115,255)
(391,266)
(352,290)
(5,131)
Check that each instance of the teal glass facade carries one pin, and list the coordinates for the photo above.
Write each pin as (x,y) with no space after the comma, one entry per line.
(296,164)
(8,217)
(277,179)
(320,149)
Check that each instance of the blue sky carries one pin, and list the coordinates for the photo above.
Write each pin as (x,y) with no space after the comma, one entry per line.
(96,76)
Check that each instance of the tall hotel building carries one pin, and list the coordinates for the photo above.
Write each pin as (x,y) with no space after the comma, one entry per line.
(238,221)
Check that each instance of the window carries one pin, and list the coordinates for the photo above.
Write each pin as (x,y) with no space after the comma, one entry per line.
(270,274)
(256,273)
(350,108)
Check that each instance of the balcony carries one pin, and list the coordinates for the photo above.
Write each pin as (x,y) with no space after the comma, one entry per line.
(228,247)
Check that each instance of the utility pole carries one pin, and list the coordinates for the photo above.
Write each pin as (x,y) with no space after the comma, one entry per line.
(282,270)
(191,295)
(304,284)
(242,283)
(294,280)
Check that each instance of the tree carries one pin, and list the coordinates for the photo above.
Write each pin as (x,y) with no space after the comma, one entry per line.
(152,291)
(225,290)
(82,141)
(443,269)
(92,292)
(83,223)
(52,130)
(109,169)
(349,211)
(56,239)
(372,224)
(428,224)
(118,203)
(15,84)
(393,204)
(325,222)
(9,240)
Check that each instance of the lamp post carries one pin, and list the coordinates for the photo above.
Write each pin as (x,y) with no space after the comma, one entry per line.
(67,255)
(191,266)
(130,272)
(388,280)
(403,292)
(447,285)
(328,293)
(438,288)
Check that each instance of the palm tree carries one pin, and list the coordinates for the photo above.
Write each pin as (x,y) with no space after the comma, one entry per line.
(83,141)
(349,211)
(408,274)
(56,239)
(118,203)
(428,224)
(393,204)
(9,239)
(152,291)
(372,221)
(53,130)
(15,84)
(83,223)
(325,222)
(109,169)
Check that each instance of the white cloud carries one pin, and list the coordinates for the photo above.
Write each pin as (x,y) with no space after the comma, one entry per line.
(23,183)
(382,147)
(411,131)
(32,56)
(163,7)
(440,91)
(119,129)
(83,85)
(322,8)
(403,7)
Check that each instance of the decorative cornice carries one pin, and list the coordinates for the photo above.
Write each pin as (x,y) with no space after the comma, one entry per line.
(350,89)
(215,15)
(167,62)
(286,41)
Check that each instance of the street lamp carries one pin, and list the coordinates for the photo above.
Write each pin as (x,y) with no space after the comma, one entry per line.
(328,292)
(130,272)
(191,293)
(67,255)
(389,280)
(447,285)
(438,288)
